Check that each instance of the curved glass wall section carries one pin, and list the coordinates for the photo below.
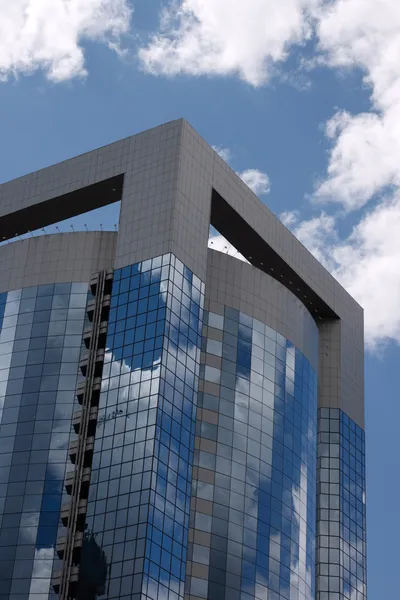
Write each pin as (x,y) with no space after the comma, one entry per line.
(341,547)
(253,511)
(139,498)
(40,344)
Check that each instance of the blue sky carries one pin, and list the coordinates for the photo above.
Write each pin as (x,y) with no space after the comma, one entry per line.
(304,93)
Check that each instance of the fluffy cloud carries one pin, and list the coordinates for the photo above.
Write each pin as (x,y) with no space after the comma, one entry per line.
(247,39)
(317,234)
(225,153)
(257,181)
(366,263)
(46,34)
(365,156)
(289,218)
(363,164)
(216,37)
(364,159)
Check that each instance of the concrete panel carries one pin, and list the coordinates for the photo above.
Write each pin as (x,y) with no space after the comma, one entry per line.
(65,257)
(233,283)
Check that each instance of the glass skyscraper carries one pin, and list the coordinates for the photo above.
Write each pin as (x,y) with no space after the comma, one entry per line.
(175,423)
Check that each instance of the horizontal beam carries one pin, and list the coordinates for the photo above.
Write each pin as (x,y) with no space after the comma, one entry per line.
(260,254)
(61,207)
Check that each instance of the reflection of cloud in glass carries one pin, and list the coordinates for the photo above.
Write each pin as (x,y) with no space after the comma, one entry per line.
(267,384)
(38,369)
(299,497)
(149,374)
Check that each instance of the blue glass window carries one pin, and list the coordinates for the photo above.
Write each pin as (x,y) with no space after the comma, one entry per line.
(152,361)
(254,497)
(40,340)
(341,549)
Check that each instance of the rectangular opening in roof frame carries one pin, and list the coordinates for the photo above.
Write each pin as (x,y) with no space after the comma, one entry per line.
(257,251)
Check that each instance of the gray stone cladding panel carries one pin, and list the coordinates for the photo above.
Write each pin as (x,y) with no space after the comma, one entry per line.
(149,195)
(55,258)
(234,283)
(64,177)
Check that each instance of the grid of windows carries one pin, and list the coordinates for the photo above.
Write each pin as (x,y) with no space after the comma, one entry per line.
(139,498)
(253,510)
(40,344)
(341,552)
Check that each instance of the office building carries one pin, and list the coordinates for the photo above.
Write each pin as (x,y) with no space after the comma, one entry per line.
(175,423)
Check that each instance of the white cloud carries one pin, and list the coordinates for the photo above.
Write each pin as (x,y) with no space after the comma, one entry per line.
(47,34)
(256,180)
(363,163)
(366,147)
(216,37)
(366,263)
(224,153)
(289,217)
(248,39)
(316,234)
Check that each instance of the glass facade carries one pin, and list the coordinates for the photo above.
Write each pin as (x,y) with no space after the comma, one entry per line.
(139,498)
(40,344)
(206,468)
(341,551)
(253,514)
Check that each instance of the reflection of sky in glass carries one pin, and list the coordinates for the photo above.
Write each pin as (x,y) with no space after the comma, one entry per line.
(40,342)
(341,513)
(141,479)
(254,496)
